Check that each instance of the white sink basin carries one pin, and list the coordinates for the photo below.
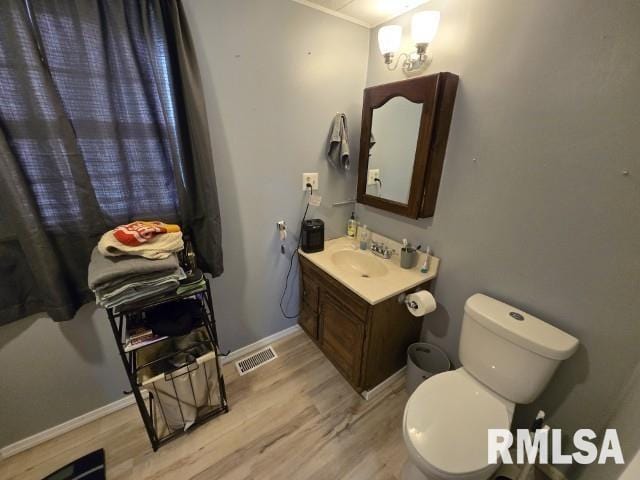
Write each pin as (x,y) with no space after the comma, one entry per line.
(372,278)
(360,263)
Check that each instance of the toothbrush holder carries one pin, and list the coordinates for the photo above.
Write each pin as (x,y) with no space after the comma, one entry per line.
(408,257)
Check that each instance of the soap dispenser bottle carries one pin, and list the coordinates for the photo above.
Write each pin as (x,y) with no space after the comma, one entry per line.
(352,226)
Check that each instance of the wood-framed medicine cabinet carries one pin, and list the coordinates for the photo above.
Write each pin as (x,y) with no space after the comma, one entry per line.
(405,127)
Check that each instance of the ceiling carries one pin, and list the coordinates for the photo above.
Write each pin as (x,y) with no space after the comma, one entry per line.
(369,13)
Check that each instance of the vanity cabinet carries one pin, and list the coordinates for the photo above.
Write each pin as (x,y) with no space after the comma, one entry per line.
(366,343)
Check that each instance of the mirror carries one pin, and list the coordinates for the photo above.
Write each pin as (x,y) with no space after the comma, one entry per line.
(405,126)
(394,136)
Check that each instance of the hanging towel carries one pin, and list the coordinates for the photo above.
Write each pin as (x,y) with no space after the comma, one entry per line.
(338,152)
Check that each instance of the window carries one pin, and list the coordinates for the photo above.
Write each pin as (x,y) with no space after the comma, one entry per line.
(104,95)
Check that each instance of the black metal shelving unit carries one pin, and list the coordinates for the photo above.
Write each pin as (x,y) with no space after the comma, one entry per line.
(152,418)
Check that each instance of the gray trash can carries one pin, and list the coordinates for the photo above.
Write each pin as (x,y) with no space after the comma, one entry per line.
(423,361)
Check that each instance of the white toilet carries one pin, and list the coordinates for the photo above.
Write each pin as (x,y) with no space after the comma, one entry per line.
(507,357)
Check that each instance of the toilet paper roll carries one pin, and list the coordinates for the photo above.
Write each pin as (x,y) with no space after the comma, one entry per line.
(420,303)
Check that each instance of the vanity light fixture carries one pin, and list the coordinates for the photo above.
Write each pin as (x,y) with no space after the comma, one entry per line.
(424,26)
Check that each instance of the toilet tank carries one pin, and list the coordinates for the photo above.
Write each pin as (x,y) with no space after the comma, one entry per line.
(513,353)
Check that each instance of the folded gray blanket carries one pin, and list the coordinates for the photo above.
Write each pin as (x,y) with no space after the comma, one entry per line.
(116,269)
(140,284)
(138,293)
(113,285)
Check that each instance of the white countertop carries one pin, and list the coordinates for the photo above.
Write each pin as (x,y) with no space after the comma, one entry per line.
(375,289)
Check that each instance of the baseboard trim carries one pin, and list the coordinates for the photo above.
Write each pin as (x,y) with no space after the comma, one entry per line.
(53,432)
(56,431)
(263,342)
(369,394)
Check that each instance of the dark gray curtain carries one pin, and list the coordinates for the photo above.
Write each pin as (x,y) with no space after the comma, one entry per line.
(102,122)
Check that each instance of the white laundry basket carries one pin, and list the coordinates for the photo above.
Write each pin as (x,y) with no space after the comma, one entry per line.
(423,361)
(180,395)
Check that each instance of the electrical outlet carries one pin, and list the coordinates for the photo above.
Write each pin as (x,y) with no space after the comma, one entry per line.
(311,178)
(373,174)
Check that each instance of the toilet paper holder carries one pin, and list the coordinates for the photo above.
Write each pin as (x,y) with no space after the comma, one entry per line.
(412,305)
(402,298)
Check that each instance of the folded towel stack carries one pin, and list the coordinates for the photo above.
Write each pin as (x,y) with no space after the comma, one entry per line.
(152,240)
(136,233)
(194,282)
(134,262)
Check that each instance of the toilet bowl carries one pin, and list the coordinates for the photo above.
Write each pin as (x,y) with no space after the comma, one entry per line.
(445,426)
(508,357)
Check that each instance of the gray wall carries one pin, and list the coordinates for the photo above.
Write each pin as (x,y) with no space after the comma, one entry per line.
(274,73)
(626,420)
(53,372)
(549,108)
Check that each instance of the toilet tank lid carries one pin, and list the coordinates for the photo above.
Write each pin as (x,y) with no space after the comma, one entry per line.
(521,328)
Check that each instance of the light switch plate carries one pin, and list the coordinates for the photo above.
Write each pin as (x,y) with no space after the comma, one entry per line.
(373,174)
(311,178)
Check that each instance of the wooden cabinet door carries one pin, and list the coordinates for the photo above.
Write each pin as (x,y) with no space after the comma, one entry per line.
(341,337)
(308,320)
(309,291)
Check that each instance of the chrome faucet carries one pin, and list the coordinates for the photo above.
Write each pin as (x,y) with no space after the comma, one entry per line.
(381,250)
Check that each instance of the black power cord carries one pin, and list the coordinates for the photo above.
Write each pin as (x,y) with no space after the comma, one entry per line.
(293,255)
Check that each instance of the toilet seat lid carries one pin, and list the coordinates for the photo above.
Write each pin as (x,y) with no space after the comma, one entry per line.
(447,419)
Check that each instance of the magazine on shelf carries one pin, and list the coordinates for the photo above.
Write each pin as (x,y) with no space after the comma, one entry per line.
(139,337)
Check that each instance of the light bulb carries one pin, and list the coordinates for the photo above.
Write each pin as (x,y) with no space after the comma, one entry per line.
(424,26)
(389,39)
